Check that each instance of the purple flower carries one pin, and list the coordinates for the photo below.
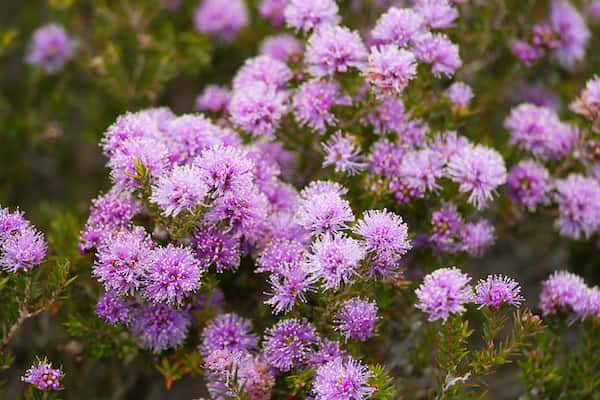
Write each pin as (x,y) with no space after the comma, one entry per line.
(342,379)
(529,184)
(594,9)
(223,19)
(172,274)
(479,171)
(398,26)
(241,212)
(258,109)
(50,48)
(384,233)
(212,301)
(324,212)
(436,14)
(328,350)
(447,144)
(420,170)
(11,224)
(213,98)
(538,95)
(43,376)
(563,291)
(342,152)
(313,103)
(183,190)
(526,53)
(388,117)
(22,251)
(460,94)
(496,290)
(289,287)
(335,259)
(216,249)
(272,10)
(475,237)
(539,130)
(130,126)
(385,158)
(113,309)
(578,199)
(265,69)
(226,169)
(443,292)
(573,33)
(121,260)
(588,102)
(356,318)
(158,327)
(440,52)
(446,224)
(109,212)
(228,332)
(390,69)
(334,49)
(146,152)
(307,15)
(287,344)
(190,134)
(316,188)
(282,47)
(281,255)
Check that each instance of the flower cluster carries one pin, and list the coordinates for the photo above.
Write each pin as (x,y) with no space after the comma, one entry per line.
(22,246)
(43,376)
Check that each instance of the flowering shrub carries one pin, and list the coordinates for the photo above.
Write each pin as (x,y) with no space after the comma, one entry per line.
(340,212)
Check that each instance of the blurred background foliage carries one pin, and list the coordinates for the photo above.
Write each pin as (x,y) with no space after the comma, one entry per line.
(134,54)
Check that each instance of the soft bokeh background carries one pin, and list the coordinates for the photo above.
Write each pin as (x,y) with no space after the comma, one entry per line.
(135,54)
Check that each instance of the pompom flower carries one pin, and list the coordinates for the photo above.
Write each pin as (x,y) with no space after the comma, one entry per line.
(573,34)
(50,48)
(171,275)
(384,233)
(228,332)
(588,102)
(578,199)
(213,98)
(183,190)
(479,171)
(335,259)
(342,379)
(265,69)
(307,15)
(460,94)
(216,249)
(356,319)
(324,212)
(258,108)
(113,309)
(11,223)
(342,152)
(446,224)
(289,287)
(529,184)
(440,52)
(313,103)
(420,170)
(287,344)
(563,291)
(334,49)
(398,26)
(475,237)
(443,292)
(148,153)
(272,10)
(223,19)
(159,327)
(390,69)
(496,290)
(43,376)
(436,14)
(226,169)
(22,251)
(282,47)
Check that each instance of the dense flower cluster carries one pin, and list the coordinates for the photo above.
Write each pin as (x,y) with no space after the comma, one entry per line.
(43,376)
(22,246)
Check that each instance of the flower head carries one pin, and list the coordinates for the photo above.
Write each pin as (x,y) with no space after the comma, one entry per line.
(11,223)
(287,344)
(265,69)
(436,14)
(475,237)
(113,309)
(158,326)
(282,47)
(573,33)
(213,98)
(390,69)
(588,102)
(258,108)
(289,287)
(226,169)
(24,250)
(529,184)
(223,19)
(356,318)
(385,234)
(443,292)
(439,51)
(324,212)
(183,190)
(335,259)
(460,94)
(313,103)
(307,15)
(342,152)
(398,26)
(50,48)
(342,379)
(496,290)
(172,274)
(43,376)
(479,171)
(563,291)
(228,332)
(272,10)
(215,248)
(446,224)
(578,199)
(334,49)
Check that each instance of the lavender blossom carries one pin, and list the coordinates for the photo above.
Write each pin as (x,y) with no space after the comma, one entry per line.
(342,152)
(216,249)
(287,344)
(228,332)
(335,259)
(50,48)
(258,109)
(113,309)
(313,103)
(43,376)
(398,26)
(307,15)
(342,378)
(385,234)
(324,212)
(420,170)
(578,199)
(460,94)
(475,237)
(183,190)
(272,10)
(588,102)
(24,250)
(529,184)
(562,291)
(390,69)
(226,169)
(282,47)
(289,287)
(214,99)
(265,69)
(334,49)
(159,327)
(446,225)
(496,290)
(436,14)
(443,292)
(356,318)
(223,19)
(440,52)
(573,33)
(11,223)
